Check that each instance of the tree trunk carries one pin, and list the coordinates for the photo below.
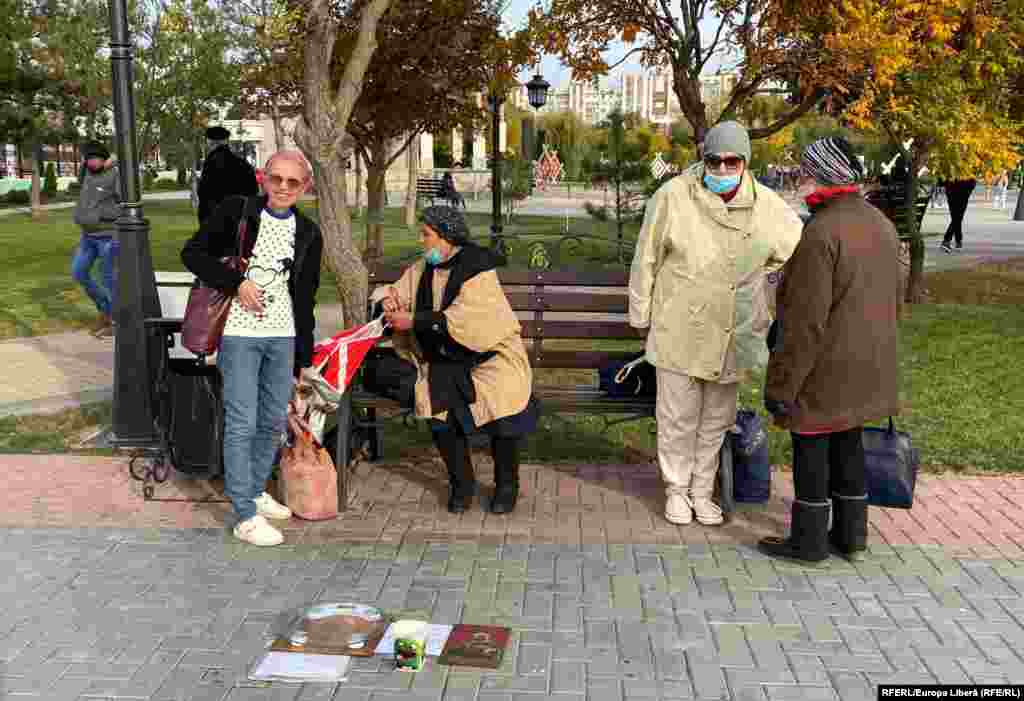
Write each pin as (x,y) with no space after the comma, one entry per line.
(915,280)
(275,117)
(359,181)
(320,133)
(376,181)
(37,204)
(410,185)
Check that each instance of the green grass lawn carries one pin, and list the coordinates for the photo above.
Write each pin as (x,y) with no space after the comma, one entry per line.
(40,296)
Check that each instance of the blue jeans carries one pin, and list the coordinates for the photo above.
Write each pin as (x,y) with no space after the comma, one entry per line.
(89,249)
(258,384)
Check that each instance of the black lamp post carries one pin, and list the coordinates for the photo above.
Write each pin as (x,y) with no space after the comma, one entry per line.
(537,92)
(136,296)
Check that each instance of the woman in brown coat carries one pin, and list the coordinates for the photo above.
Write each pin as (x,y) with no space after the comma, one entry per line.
(454,322)
(834,363)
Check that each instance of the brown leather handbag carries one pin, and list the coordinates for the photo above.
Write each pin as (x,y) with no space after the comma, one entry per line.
(207,310)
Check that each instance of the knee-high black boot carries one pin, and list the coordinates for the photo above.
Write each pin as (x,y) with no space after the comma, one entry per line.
(454,450)
(506,474)
(808,538)
(849,534)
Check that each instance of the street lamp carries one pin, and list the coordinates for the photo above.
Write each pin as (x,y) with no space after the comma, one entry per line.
(537,93)
(136,296)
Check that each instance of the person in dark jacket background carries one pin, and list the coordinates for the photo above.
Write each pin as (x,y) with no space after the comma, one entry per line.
(223,174)
(99,206)
(833,366)
(958,195)
(268,337)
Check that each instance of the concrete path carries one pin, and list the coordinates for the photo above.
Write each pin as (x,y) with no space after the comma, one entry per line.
(113,597)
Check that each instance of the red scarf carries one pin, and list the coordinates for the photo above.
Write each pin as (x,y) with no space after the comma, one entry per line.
(826,194)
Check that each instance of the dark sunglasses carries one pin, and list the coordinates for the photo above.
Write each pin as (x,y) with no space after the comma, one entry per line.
(730,162)
(290,183)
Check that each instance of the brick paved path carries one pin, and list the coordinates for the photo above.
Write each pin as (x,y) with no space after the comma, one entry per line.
(154,600)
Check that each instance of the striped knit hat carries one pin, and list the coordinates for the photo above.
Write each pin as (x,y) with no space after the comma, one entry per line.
(831,161)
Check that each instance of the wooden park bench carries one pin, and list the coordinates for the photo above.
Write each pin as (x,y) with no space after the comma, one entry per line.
(561,313)
(893,203)
(429,188)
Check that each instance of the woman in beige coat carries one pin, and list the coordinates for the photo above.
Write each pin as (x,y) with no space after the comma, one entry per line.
(455,324)
(702,284)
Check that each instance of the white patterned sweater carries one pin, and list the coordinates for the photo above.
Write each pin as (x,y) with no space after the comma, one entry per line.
(269,268)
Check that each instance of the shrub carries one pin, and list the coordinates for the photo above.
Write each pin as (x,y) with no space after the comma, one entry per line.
(74,188)
(50,180)
(20,197)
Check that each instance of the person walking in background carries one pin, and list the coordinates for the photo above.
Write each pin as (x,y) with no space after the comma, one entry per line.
(833,364)
(223,174)
(958,195)
(99,206)
(1002,185)
(700,288)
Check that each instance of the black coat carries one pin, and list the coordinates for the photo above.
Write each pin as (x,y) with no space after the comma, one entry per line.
(224,175)
(218,238)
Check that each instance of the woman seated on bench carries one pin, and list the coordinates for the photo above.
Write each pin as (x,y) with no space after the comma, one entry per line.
(454,322)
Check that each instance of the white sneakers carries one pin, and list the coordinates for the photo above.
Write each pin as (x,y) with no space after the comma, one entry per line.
(256,530)
(680,509)
(707,512)
(269,507)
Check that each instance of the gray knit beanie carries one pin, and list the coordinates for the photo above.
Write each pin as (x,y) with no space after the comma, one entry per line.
(727,137)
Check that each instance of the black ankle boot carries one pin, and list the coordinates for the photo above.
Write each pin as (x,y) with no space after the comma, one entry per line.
(454,450)
(506,474)
(849,534)
(808,539)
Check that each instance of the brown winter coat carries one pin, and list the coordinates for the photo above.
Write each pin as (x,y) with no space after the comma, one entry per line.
(835,361)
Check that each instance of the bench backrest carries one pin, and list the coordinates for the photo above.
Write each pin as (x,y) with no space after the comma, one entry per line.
(562,305)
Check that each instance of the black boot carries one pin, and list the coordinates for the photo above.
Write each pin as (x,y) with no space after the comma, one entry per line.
(506,474)
(808,539)
(849,534)
(454,450)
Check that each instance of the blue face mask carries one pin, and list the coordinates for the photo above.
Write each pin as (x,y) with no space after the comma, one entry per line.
(433,256)
(721,184)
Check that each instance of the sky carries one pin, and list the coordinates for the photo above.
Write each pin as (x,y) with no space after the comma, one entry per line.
(557,74)
(551,68)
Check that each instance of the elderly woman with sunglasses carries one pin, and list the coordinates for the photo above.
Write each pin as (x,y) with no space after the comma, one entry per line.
(268,337)
(702,287)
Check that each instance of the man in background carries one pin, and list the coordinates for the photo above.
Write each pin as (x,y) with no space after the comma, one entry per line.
(99,206)
(224,174)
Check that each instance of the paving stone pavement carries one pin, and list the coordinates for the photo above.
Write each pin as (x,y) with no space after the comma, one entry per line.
(607,601)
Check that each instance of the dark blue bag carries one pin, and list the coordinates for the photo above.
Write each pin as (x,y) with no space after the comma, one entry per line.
(752,470)
(629,378)
(890,463)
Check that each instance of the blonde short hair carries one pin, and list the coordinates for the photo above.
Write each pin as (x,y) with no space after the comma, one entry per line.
(295,157)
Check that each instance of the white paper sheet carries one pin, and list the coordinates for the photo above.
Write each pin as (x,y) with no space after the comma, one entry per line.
(300,667)
(437,636)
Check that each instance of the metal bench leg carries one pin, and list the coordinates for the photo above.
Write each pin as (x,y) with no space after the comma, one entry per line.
(374,435)
(344,430)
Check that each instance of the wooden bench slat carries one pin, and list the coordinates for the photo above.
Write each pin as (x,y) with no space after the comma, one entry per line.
(579,329)
(577,360)
(568,302)
(382,275)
